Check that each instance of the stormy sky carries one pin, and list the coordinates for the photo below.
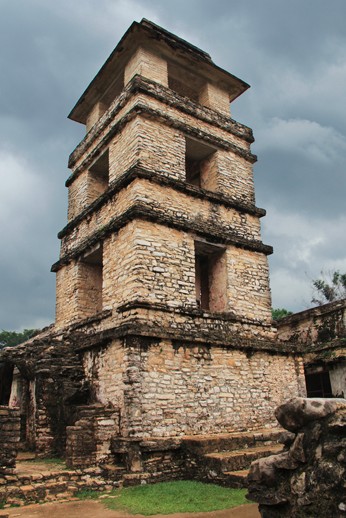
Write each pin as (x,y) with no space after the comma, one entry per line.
(292,53)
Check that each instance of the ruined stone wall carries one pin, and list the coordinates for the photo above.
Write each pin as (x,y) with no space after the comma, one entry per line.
(105,369)
(171,389)
(315,325)
(308,478)
(9,438)
(248,293)
(337,374)
(52,383)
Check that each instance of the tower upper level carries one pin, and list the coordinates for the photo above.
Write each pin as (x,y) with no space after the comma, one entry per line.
(158,55)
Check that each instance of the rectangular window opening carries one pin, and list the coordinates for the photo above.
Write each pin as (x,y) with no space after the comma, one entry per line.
(210,277)
(198,163)
(318,382)
(99,176)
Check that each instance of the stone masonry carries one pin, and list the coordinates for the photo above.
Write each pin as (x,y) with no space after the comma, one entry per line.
(163,308)
(308,478)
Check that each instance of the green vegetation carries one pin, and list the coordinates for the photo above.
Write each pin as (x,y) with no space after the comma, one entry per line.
(279,313)
(329,288)
(11,338)
(175,497)
(87,494)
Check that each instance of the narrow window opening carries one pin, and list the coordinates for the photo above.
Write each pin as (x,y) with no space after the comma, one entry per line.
(199,163)
(202,281)
(91,274)
(99,176)
(210,277)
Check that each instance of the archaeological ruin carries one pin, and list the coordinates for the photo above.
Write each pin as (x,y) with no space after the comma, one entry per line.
(163,361)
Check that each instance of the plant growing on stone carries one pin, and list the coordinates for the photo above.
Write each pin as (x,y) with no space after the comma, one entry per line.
(331,286)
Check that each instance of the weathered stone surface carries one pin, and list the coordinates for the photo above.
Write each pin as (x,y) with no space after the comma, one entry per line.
(298,412)
(9,438)
(309,478)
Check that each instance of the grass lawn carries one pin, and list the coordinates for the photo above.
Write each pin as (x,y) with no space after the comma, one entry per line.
(172,497)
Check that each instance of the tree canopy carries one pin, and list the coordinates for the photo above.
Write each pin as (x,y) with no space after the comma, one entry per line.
(279,313)
(331,286)
(11,338)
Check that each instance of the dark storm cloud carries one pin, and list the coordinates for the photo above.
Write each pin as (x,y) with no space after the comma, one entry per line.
(292,53)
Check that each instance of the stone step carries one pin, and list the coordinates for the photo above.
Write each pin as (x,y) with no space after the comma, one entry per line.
(239,459)
(237,479)
(202,444)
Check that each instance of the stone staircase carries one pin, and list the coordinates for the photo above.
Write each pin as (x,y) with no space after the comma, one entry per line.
(225,459)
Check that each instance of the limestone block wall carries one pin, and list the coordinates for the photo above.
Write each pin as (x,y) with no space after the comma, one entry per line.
(165,201)
(235,177)
(105,369)
(248,284)
(146,261)
(78,291)
(88,441)
(148,64)
(215,98)
(149,262)
(171,389)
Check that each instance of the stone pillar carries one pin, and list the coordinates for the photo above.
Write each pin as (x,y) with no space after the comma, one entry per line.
(147,64)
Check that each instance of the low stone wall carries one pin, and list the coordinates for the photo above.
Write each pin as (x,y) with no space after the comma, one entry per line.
(88,441)
(45,486)
(9,438)
(316,325)
(308,479)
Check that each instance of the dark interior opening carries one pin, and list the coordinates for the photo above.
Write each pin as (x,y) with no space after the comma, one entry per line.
(318,383)
(6,376)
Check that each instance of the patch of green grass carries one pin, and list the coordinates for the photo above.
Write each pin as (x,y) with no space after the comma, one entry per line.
(87,494)
(175,497)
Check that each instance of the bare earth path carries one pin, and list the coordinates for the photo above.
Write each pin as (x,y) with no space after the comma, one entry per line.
(93,509)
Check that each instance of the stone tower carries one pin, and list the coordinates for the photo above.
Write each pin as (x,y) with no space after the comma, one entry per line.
(162,269)
(163,229)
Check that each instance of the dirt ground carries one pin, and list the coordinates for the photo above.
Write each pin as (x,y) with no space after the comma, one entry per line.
(93,509)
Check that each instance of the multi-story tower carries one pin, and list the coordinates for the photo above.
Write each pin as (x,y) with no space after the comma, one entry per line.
(162,266)
(163,227)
